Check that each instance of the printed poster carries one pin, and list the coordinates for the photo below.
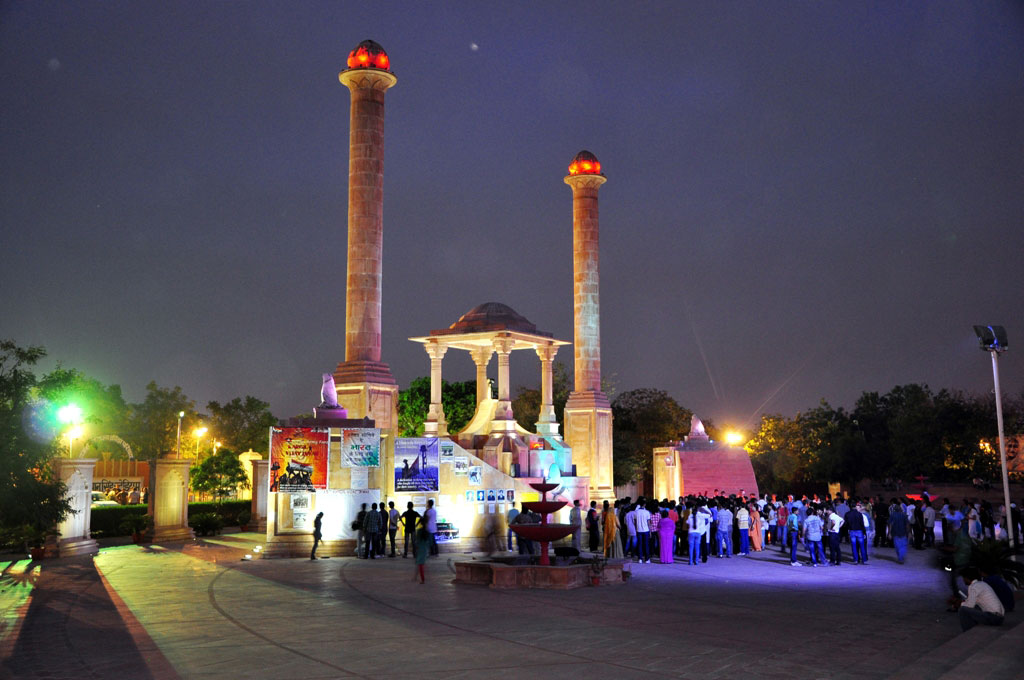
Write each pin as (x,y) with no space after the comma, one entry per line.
(298,459)
(360,447)
(416,464)
(476,475)
(447,451)
(359,478)
(461,466)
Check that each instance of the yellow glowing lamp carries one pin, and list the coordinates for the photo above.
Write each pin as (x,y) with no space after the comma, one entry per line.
(369,54)
(69,414)
(75,432)
(585,163)
(199,431)
(733,438)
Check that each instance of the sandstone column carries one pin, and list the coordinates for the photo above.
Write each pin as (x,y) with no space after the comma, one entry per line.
(436,425)
(503,418)
(170,501)
(482,357)
(365,385)
(260,489)
(547,424)
(588,415)
(74,538)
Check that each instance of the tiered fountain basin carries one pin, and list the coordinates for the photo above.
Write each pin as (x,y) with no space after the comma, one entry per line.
(511,573)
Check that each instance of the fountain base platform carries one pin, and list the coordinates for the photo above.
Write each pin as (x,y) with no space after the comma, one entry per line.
(509,574)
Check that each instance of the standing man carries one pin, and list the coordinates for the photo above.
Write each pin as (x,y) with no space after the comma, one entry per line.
(409,519)
(430,520)
(743,524)
(898,527)
(385,528)
(793,532)
(812,536)
(723,541)
(854,522)
(510,519)
(835,523)
(593,528)
(576,520)
(782,522)
(393,516)
(929,524)
(643,531)
(630,524)
(317,534)
(371,530)
(359,525)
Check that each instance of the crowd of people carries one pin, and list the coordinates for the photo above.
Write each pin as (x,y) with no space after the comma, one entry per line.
(127,495)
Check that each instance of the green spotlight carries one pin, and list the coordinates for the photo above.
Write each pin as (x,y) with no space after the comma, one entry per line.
(70,414)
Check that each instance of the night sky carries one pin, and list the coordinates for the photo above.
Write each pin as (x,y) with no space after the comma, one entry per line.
(805,200)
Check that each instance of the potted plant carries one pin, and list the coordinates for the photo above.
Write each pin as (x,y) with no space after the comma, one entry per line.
(136,525)
(597,566)
(34,538)
(206,523)
(244,517)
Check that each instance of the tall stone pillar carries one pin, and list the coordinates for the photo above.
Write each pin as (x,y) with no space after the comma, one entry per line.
(482,357)
(364,383)
(547,424)
(74,537)
(170,501)
(588,414)
(503,418)
(436,425)
(260,491)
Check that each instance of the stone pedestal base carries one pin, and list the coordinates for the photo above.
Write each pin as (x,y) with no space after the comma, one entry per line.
(74,538)
(260,490)
(588,430)
(170,502)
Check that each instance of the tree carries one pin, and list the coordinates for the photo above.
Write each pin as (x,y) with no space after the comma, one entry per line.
(644,418)
(242,424)
(104,410)
(153,423)
(32,499)
(219,474)
(458,400)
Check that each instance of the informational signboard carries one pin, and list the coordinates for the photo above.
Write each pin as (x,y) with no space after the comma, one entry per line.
(460,466)
(476,475)
(416,463)
(105,484)
(298,459)
(360,447)
(341,507)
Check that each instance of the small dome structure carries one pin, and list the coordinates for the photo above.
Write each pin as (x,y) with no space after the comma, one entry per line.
(585,163)
(369,54)
(492,316)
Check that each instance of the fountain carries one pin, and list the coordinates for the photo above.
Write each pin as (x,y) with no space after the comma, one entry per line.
(543,532)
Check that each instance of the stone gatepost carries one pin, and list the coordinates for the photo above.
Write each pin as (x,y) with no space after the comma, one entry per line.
(170,502)
(260,485)
(74,538)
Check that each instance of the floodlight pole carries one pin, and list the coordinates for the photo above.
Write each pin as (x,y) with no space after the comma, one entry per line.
(1008,515)
(177,446)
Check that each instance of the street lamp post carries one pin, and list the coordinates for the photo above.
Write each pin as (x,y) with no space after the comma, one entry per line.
(199,432)
(74,433)
(993,341)
(177,446)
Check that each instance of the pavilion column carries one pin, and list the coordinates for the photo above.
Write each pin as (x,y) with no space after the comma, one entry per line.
(503,418)
(482,357)
(436,425)
(546,423)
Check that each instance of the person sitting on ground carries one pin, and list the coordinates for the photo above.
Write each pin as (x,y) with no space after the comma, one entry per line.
(982,604)
(1002,589)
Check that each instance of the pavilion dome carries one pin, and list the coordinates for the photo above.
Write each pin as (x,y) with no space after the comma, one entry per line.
(585,163)
(369,54)
(492,316)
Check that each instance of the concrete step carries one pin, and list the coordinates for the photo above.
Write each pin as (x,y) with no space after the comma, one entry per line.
(982,645)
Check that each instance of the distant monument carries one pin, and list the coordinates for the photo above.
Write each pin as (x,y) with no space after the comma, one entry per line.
(699,465)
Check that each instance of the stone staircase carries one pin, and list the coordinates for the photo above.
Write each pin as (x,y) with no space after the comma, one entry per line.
(982,653)
(724,468)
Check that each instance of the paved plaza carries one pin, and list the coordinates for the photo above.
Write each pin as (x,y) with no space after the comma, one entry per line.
(201,611)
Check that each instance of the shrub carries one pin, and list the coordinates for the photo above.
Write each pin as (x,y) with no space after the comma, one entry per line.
(206,523)
(135,524)
(107,519)
(244,517)
(228,511)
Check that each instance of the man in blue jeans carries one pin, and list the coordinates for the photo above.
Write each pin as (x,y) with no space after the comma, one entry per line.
(898,530)
(812,535)
(643,533)
(793,531)
(724,538)
(855,524)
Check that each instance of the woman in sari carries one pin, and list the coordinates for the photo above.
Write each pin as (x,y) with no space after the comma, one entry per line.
(755,529)
(612,544)
(666,535)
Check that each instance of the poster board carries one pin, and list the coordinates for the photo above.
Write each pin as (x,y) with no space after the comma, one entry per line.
(298,459)
(360,447)
(416,464)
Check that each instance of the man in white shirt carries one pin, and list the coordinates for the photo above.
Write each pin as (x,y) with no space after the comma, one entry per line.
(643,533)
(576,520)
(982,604)
(430,522)
(743,524)
(929,524)
(835,523)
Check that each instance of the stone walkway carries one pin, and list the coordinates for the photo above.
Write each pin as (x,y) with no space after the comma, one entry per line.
(201,611)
